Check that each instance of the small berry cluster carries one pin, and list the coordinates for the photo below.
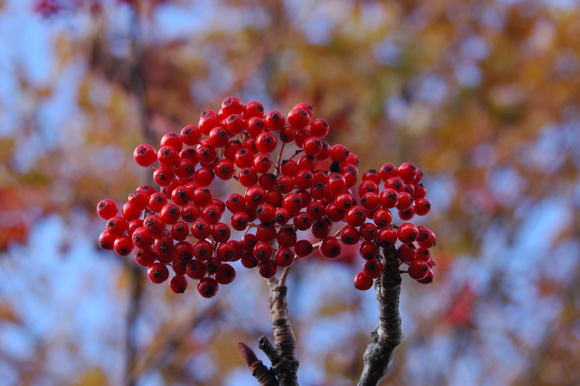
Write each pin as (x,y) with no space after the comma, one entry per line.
(295,186)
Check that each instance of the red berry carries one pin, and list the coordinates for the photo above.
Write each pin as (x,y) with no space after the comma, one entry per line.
(286,237)
(386,237)
(232,105)
(274,120)
(349,235)
(142,237)
(266,142)
(225,274)
(307,162)
(407,253)
(134,224)
(144,257)
(336,183)
(168,156)
(319,128)
(406,214)
(368,186)
(235,202)
(320,228)
(388,198)
(362,281)
(387,171)
(368,231)
(202,250)
(330,247)
(370,201)
(404,201)
(382,217)
(224,169)
(195,269)
(107,208)
(123,245)
(333,213)
(157,273)
(255,195)
(422,206)
(427,279)
(201,229)
(220,232)
(173,140)
(244,158)
(395,183)
(312,146)
(282,216)
(284,257)
(418,269)
(324,154)
(262,251)
(262,163)
(407,171)
(407,233)
(256,125)
(267,269)
(339,153)
(239,220)
(267,181)
(292,203)
(369,250)
(163,175)
(265,212)
(266,232)
(344,201)
(117,225)
(303,248)
(138,199)
(179,231)
(183,251)
(247,177)
(373,268)
(299,117)
(302,221)
(145,155)
(190,135)
(253,109)
(316,210)
(287,134)
(355,216)
(178,284)
(207,287)
(204,176)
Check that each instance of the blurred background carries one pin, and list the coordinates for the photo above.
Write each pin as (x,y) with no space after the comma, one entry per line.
(483,95)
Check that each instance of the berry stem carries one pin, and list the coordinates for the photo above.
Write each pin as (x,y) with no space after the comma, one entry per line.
(279,162)
(387,335)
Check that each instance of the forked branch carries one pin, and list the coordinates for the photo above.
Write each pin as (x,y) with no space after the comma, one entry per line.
(283,353)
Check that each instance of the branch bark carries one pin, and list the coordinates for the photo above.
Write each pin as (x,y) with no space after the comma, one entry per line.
(387,335)
(282,353)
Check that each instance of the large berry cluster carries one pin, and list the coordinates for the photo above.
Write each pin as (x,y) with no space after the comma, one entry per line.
(47,8)
(297,193)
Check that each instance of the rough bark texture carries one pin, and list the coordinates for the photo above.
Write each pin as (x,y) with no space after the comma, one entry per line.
(387,335)
(283,353)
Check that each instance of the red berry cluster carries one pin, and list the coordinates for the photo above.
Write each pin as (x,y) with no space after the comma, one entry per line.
(48,8)
(295,186)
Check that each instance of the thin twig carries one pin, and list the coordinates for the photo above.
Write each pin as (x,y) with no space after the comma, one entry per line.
(264,375)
